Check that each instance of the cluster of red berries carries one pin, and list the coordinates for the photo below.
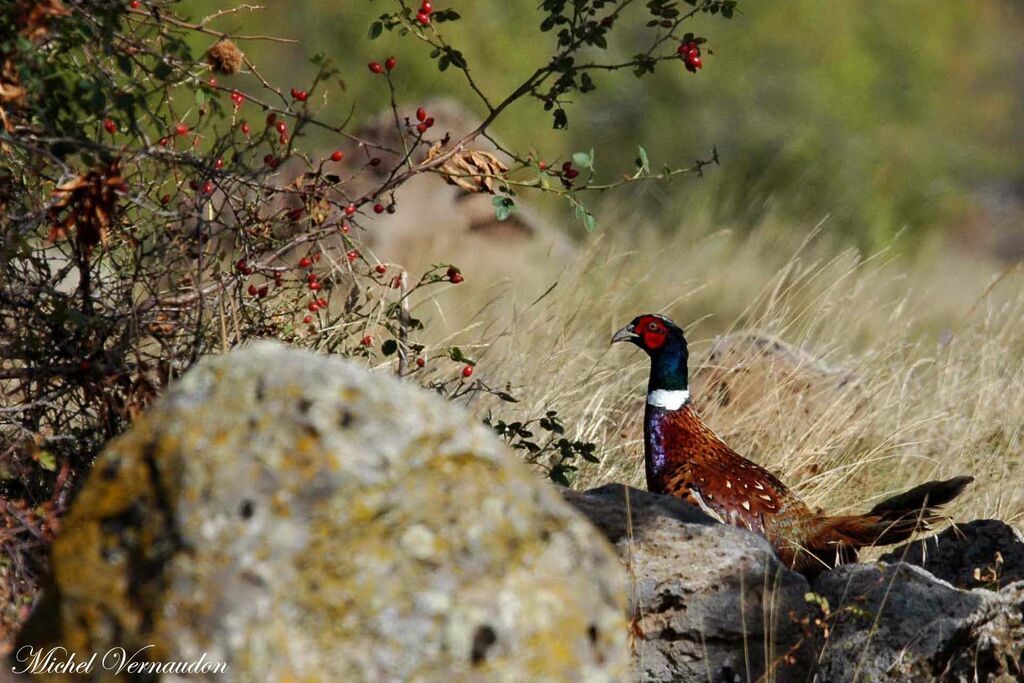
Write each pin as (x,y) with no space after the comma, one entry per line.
(568,172)
(389,64)
(426,9)
(280,126)
(237,99)
(425,121)
(690,54)
(299,95)
(454,275)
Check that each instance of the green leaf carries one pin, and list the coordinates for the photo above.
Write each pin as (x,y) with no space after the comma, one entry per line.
(583,159)
(503,207)
(589,222)
(47,460)
(376,28)
(642,162)
(443,63)
(561,119)
(200,97)
(389,347)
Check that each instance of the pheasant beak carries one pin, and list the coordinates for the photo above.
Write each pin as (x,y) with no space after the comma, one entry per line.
(626,334)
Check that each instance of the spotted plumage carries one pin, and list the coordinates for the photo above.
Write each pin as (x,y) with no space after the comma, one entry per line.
(685,458)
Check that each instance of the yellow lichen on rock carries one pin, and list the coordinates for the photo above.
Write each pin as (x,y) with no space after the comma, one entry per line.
(301,519)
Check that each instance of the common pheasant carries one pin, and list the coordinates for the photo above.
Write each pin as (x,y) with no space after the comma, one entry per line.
(685,458)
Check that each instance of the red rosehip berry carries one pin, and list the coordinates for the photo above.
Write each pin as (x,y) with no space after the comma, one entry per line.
(375,67)
(241,264)
(427,6)
(467,371)
(423,17)
(237,98)
(542,165)
(244,128)
(375,161)
(390,63)
(218,164)
(367,341)
(166,199)
(381,268)
(308,319)
(263,291)
(378,208)
(396,282)
(305,262)
(164,142)
(695,62)
(421,114)
(281,127)
(213,82)
(110,126)
(350,209)
(421,128)
(420,362)
(181,129)
(337,155)
(193,185)
(314,286)
(295,214)
(283,139)
(322,303)
(208,187)
(316,257)
(313,306)
(299,95)
(352,255)
(456,279)
(571,173)
(312,277)
(134,4)
(253,289)
(345,228)
(271,118)
(429,122)
(269,160)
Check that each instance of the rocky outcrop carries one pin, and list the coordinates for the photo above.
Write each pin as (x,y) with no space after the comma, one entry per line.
(709,602)
(899,623)
(985,553)
(298,518)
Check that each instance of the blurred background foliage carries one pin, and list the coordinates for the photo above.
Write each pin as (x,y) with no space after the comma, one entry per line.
(885,118)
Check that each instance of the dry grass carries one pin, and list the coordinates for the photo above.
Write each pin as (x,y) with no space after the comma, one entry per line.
(928,356)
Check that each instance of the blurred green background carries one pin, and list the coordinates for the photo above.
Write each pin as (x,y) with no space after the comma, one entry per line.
(885,117)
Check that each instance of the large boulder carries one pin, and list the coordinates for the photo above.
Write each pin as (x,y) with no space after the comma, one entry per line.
(709,602)
(985,553)
(899,623)
(298,518)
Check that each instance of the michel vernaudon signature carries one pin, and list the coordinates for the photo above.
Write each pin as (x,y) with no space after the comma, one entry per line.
(31,660)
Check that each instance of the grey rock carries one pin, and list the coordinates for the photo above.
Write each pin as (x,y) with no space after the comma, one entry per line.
(899,623)
(299,518)
(712,602)
(985,553)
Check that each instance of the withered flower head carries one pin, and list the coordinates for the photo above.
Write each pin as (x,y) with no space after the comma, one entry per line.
(87,204)
(224,57)
(473,170)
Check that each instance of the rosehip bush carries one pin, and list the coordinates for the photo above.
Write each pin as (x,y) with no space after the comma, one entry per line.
(159,204)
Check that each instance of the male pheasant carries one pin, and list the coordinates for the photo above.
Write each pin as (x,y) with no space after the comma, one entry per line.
(684,458)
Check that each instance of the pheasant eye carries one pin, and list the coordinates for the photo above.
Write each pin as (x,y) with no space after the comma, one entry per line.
(653,327)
